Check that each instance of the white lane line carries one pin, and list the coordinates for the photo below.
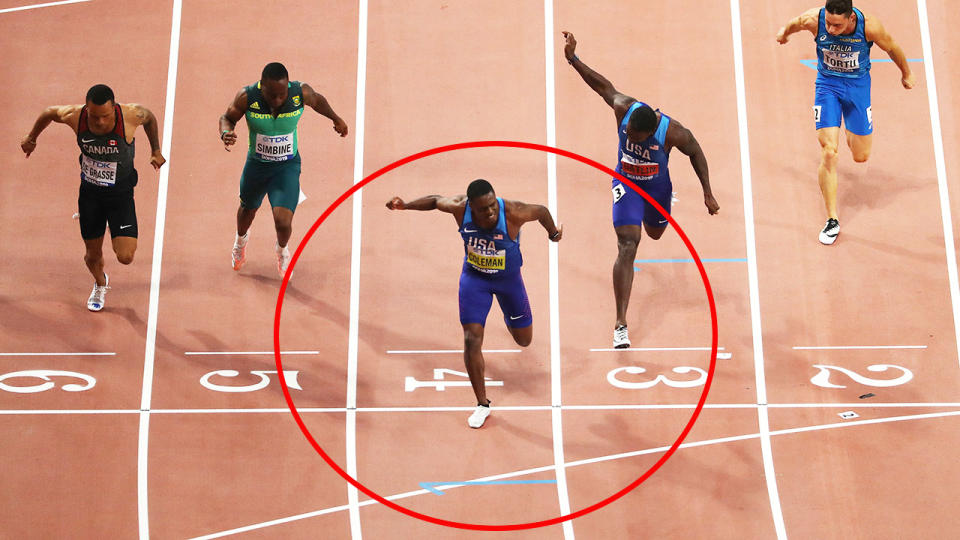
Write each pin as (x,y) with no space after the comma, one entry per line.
(245,353)
(151,337)
(36,6)
(59,354)
(656,349)
(854,347)
(353,498)
(518,408)
(611,457)
(763,419)
(451,351)
(554,275)
(945,211)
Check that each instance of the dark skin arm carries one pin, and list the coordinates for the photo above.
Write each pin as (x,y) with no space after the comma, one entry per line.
(683,139)
(451,205)
(319,103)
(517,212)
(229,119)
(616,100)
(61,114)
(144,117)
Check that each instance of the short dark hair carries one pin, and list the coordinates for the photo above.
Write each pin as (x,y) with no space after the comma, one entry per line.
(478,188)
(99,94)
(644,119)
(274,71)
(839,7)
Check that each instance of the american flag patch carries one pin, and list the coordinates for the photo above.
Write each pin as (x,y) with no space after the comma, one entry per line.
(498,237)
(654,146)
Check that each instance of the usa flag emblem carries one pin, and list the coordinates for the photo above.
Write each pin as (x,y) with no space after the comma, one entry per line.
(498,237)
(654,146)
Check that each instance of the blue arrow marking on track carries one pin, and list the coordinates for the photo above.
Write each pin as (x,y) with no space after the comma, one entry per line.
(432,486)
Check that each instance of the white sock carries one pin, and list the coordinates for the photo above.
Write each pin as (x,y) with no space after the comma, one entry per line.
(241,240)
(283,249)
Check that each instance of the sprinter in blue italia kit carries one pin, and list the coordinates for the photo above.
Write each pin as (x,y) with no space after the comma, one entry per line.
(843,36)
(646,138)
(490,227)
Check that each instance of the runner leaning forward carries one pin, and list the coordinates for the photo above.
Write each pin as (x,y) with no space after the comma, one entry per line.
(105,133)
(273,107)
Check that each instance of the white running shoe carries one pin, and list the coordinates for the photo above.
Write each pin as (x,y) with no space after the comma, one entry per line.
(621,339)
(239,251)
(95,302)
(283,259)
(479,416)
(830,231)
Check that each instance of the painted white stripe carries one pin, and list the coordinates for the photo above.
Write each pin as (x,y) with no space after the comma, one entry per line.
(853,347)
(945,211)
(59,354)
(753,276)
(151,337)
(35,6)
(353,498)
(453,351)
(553,252)
(656,349)
(244,353)
(590,461)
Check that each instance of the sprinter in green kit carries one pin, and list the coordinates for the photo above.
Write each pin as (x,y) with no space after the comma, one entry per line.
(273,107)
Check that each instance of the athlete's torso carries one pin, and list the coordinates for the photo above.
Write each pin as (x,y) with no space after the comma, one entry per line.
(106,161)
(846,55)
(273,138)
(645,161)
(490,252)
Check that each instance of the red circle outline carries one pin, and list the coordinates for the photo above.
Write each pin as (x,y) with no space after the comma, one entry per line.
(517,526)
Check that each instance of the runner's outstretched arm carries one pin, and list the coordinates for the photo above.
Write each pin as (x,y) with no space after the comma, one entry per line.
(451,205)
(596,81)
(523,213)
(876,33)
(808,20)
(61,114)
(147,119)
(319,103)
(683,139)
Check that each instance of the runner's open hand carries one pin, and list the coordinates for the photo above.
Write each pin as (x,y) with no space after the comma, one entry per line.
(157,160)
(229,139)
(570,47)
(28,144)
(340,126)
(396,203)
(712,205)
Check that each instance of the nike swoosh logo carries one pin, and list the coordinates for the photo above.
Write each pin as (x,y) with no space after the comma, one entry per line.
(125,226)
(86,141)
(515,318)
(469,230)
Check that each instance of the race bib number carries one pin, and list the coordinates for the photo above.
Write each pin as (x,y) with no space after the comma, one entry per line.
(817,110)
(274,147)
(618,192)
(841,61)
(638,170)
(100,173)
(487,262)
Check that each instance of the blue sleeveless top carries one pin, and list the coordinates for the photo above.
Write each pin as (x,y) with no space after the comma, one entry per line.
(490,252)
(645,161)
(846,55)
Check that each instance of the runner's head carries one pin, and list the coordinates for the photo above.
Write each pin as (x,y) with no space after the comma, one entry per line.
(839,18)
(273,84)
(101,116)
(483,203)
(642,124)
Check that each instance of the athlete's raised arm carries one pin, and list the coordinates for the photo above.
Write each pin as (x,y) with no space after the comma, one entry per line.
(520,213)
(876,33)
(808,20)
(599,84)
(683,139)
(142,116)
(319,103)
(451,205)
(229,119)
(61,114)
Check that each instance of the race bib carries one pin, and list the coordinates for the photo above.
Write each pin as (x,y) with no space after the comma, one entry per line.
(274,147)
(487,262)
(841,61)
(618,193)
(100,173)
(638,170)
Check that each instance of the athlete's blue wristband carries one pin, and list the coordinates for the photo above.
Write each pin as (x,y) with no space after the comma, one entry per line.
(570,61)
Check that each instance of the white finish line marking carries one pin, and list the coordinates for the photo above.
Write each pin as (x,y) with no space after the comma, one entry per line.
(35,6)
